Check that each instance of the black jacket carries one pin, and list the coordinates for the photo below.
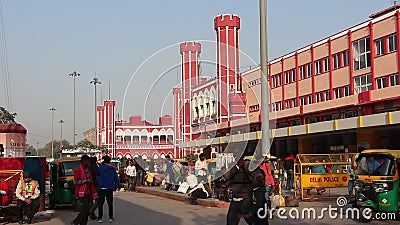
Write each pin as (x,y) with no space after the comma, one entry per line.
(244,181)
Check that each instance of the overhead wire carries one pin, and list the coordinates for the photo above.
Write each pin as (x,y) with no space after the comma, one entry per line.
(4,61)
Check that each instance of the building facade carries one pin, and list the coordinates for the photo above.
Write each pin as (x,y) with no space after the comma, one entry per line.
(334,95)
(135,138)
(12,140)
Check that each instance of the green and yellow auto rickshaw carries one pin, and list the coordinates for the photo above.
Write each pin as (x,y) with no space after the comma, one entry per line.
(377,183)
(62,188)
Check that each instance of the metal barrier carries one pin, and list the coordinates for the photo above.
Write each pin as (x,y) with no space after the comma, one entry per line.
(321,171)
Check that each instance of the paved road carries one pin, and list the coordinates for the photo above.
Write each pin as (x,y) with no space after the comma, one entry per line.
(142,209)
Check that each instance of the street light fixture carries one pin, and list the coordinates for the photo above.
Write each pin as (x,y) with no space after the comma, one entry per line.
(95,81)
(61,138)
(52,131)
(74,74)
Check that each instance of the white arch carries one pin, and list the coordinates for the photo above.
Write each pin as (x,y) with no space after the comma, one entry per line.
(136,155)
(200,104)
(127,132)
(144,156)
(162,132)
(119,132)
(120,156)
(128,156)
(155,132)
(155,156)
(162,156)
(170,131)
(136,132)
(194,106)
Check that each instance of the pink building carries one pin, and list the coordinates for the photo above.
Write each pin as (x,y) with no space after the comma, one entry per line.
(135,137)
(12,140)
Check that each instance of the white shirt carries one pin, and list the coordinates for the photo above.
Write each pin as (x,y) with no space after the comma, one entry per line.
(201,166)
(131,171)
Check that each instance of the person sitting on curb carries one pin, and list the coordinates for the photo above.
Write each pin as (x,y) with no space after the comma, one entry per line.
(28,194)
(200,191)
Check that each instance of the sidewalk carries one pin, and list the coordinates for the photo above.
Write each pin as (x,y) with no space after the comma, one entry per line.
(209,202)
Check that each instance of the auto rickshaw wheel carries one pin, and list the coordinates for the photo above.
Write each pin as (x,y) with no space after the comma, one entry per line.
(362,214)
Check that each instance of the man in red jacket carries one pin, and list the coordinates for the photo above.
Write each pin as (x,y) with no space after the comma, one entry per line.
(84,189)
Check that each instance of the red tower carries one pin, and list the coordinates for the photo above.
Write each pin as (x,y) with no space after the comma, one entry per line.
(100,124)
(190,53)
(109,126)
(178,116)
(229,81)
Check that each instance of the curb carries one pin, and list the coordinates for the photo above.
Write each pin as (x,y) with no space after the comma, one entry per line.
(210,202)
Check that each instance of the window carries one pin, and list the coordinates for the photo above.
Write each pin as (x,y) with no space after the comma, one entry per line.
(336,61)
(309,99)
(287,104)
(381,82)
(294,102)
(347,90)
(327,95)
(362,54)
(273,81)
(273,107)
(345,55)
(318,97)
(279,79)
(294,78)
(394,80)
(392,43)
(287,77)
(318,67)
(380,46)
(119,138)
(309,70)
(303,100)
(302,72)
(326,64)
(338,93)
(254,108)
(363,83)
(279,106)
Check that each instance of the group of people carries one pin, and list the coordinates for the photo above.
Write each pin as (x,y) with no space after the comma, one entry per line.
(96,185)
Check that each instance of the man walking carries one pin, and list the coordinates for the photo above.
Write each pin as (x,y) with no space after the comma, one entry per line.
(84,189)
(247,194)
(131,173)
(28,196)
(108,182)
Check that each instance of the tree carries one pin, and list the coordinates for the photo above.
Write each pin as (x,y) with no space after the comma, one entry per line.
(30,150)
(46,150)
(6,117)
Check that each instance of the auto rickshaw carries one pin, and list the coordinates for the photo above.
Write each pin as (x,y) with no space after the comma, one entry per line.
(62,188)
(377,182)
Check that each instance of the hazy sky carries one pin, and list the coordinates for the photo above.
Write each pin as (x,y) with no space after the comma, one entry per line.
(47,40)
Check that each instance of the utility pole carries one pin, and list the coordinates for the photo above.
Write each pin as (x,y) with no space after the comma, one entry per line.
(74,75)
(52,131)
(37,148)
(95,81)
(265,137)
(61,137)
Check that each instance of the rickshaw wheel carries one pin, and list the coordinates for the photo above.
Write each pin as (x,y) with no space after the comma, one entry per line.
(362,218)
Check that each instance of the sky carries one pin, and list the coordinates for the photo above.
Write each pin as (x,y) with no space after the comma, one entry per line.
(132,46)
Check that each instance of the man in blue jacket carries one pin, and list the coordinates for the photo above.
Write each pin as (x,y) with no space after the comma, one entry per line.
(108,182)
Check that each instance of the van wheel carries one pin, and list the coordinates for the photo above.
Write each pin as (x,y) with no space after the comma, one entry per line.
(366,217)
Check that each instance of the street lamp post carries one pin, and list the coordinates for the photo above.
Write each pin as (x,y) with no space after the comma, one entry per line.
(265,141)
(52,131)
(61,138)
(95,81)
(74,74)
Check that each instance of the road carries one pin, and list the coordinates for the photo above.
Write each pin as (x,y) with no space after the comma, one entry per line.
(142,209)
